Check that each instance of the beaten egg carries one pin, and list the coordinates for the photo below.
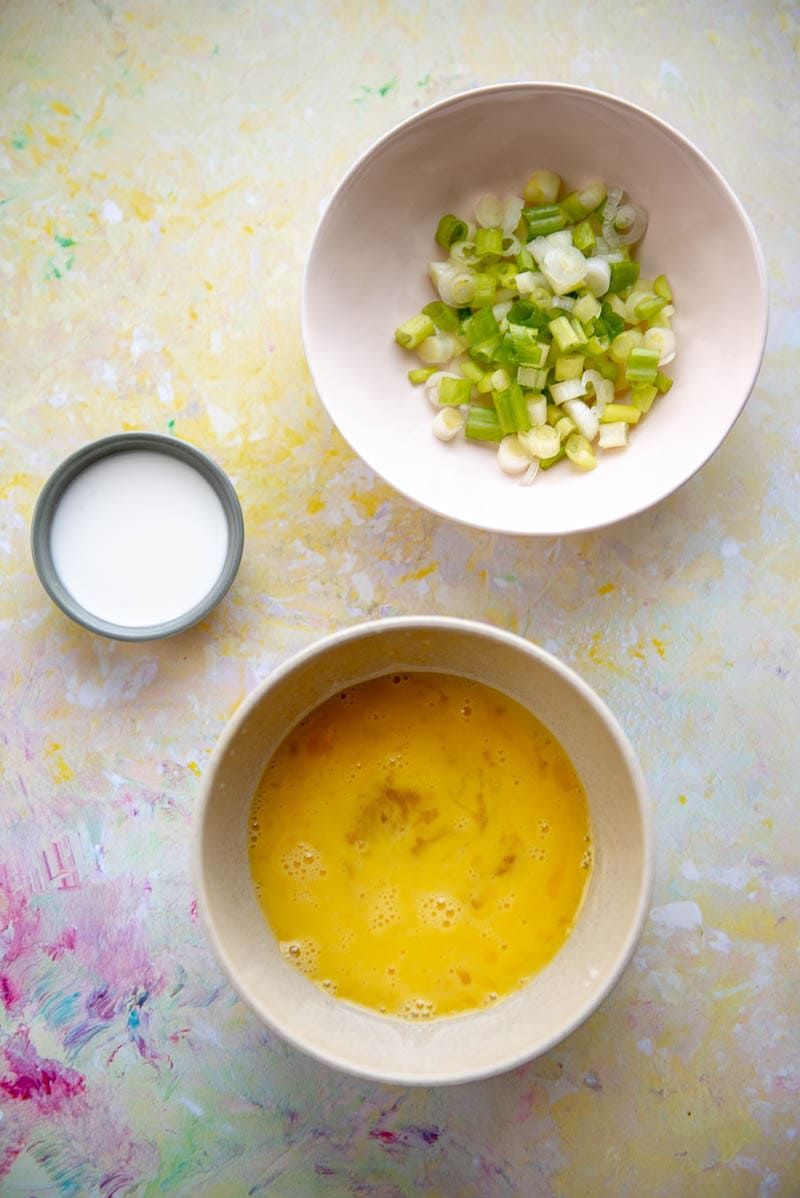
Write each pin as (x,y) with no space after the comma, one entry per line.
(420,845)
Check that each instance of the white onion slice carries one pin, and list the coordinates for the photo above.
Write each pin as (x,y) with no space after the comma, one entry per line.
(663,340)
(512,211)
(624,225)
(583,417)
(489,211)
(564,267)
(511,456)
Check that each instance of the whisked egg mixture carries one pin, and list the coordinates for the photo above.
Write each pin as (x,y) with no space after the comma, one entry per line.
(420,844)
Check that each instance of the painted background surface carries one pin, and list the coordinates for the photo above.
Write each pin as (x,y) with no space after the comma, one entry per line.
(162,166)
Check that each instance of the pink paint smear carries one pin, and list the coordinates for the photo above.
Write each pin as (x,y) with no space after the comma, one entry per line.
(47,1084)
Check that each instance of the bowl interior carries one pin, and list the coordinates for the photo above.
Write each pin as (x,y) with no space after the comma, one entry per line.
(557,999)
(68,471)
(367,273)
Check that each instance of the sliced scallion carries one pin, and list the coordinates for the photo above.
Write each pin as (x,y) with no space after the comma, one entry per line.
(534,290)
(414,331)
(482,424)
(450,229)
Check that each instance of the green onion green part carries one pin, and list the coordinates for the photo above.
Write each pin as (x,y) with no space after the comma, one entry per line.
(450,229)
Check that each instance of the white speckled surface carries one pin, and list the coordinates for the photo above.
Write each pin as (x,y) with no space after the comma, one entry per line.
(161,172)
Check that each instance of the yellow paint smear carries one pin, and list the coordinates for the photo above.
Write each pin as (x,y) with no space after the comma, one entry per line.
(416,575)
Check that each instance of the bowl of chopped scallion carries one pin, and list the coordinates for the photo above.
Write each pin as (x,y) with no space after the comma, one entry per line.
(518,308)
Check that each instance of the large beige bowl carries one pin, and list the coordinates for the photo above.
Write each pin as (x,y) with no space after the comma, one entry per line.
(367,273)
(557,1000)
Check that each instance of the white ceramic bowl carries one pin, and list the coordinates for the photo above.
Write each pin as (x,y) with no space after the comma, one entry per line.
(367,273)
(455,1048)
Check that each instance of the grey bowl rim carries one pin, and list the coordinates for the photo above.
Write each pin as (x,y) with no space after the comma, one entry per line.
(108,446)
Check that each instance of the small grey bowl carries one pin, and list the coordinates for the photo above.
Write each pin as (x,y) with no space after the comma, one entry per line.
(72,466)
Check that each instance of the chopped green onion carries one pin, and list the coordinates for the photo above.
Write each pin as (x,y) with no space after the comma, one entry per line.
(511,457)
(620,411)
(564,267)
(455,284)
(485,352)
(541,442)
(489,243)
(587,307)
(564,334)
(613,321)
(647,307)
(569,389)
(455,391)
(537,409)
(583,417)
(546,463)
(565,426)
(580,452)
(643,395)
(512,410)
(573,208)
(597,345)
(568,367)
(448,423)
(489,211)
(535,379)
(483,295)
(507,277)
(482,424)
(662,340)
(414,331)
(662,288)
(519,324)
(500,380)
(442,315)
(543,219)
(470,370)
(613,436)
(421,374)
(623,274)
(641,365)
(480,326)
(593,195)
(542,188)
(526,345)
(622,345)
(598,275)
(438,349)
(450,229)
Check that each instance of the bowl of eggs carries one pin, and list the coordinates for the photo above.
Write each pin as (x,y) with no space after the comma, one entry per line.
(423,851)
(517,308)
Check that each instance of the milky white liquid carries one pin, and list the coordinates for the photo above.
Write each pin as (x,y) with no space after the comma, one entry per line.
(139,538)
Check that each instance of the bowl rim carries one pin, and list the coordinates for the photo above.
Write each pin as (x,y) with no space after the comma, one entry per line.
(544,86)
(372,628)
(108,446)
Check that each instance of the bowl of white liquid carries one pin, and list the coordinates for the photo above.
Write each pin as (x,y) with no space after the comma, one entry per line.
(137,536)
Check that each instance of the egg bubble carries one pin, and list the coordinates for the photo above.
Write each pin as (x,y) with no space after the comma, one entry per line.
(303,862)
(301,954)
(417,1008)
(439,910)
(385,909)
